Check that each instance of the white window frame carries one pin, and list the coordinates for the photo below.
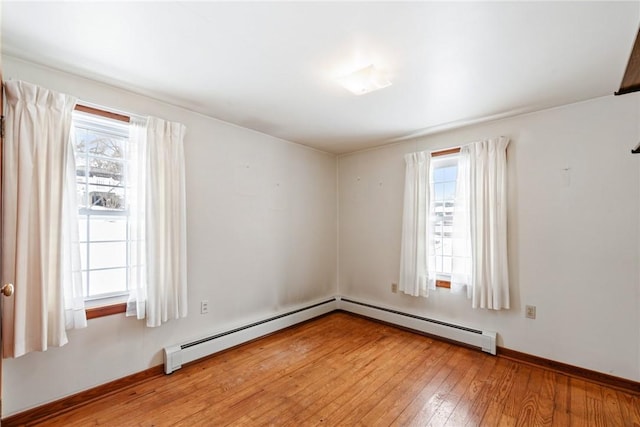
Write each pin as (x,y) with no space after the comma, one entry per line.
(119,129)
(439,162)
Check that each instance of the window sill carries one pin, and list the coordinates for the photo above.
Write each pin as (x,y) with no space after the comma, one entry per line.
(443,284)
(106,310)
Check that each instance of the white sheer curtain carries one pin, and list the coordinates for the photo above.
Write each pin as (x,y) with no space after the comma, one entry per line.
(482,218)
(158,218)
(137,180)
(461,235)
(416,276)
(40,252)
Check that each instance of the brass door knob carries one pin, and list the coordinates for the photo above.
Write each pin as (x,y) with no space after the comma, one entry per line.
(7,289)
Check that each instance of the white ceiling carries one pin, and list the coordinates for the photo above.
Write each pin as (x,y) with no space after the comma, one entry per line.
(270,66)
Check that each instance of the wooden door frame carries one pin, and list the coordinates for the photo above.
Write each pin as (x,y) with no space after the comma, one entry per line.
(1,216)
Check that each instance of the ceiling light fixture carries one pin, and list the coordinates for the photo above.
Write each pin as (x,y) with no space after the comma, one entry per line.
(365,80)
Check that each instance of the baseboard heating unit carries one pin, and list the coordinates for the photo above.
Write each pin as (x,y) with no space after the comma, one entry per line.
(176,355)
(485,340)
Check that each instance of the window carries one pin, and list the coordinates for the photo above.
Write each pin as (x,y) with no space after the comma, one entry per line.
(443,177)
(133,225)
(102,190)
(464,236)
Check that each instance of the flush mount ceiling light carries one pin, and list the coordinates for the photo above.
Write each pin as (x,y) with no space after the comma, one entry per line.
(365,80)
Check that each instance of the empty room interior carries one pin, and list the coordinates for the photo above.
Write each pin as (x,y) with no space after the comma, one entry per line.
(338,213)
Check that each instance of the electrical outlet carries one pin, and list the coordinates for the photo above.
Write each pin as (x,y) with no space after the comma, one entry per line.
(204,306)
(394,288)
(530,311)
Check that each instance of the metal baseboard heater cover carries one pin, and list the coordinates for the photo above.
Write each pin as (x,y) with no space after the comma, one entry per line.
(175,356)
(485,340)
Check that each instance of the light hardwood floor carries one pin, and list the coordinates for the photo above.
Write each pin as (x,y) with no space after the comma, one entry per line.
(343,370)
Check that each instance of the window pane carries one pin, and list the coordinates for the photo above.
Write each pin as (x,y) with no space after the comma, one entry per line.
(83,256)
(108,228)
(447,247)
(450,173)
(85,283)
(82,228)
(446,265)
(103,197)
(107,281)
(104,145)
(81,191)
(448,208)
(461,264)
(438,192)
(437,246)
(438,175)
(107,255)
(450,190)
(101,190)
(81,161)
(443,207)
(101,168)
(437,210)
(82,137)
(447,229)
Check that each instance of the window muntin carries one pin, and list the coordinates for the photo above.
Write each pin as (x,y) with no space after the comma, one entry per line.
(443,184)
(102,189)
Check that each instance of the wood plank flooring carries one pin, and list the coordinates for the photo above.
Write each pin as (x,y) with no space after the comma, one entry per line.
(343,370)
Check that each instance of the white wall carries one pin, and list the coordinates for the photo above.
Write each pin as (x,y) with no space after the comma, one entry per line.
(261,238)
(573,249)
